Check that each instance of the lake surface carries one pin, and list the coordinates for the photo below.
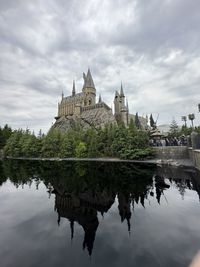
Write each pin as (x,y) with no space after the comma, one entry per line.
(98,214)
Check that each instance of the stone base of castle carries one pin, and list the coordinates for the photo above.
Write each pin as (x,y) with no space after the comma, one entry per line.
(91,118)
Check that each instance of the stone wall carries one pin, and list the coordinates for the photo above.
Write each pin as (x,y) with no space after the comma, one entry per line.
(194,155)
(171,152)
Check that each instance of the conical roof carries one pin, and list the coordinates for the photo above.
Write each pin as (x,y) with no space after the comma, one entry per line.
(100,100)
(122,91)
(73,88)
(88,81)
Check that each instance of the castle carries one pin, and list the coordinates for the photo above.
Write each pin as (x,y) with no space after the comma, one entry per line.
(84,108)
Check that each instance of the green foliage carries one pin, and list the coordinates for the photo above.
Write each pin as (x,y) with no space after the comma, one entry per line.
(110,141)
(51,144)
(152,122)
(80,150)
(13,145)
(186,130)
(132,127)
(137,121)
(5,134)
(67,148)
(174,129)
(137,153)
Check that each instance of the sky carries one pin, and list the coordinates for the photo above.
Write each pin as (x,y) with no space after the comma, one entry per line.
(151,46)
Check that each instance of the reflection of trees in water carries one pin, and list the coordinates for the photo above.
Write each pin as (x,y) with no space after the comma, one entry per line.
(84,189)
(181,177)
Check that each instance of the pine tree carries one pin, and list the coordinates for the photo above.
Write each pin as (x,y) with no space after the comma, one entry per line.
(5,134)
(132,127)
(152,122)
(137,121)
(51,144)
(174,129)
(81,150)
(67,146)
(12,147)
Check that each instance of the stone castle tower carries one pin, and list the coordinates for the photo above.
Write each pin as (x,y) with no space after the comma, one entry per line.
(73,104)
(121,110)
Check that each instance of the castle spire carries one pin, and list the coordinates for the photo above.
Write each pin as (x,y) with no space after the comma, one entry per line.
(62,95)
(100,100)
(73,89)
(122,91)
(88,79)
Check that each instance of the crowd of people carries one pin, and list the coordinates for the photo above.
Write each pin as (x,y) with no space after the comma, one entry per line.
(169,141)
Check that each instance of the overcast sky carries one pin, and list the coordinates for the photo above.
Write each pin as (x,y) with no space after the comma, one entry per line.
(152,46)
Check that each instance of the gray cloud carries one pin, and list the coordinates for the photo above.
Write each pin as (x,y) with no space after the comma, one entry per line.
(153,48)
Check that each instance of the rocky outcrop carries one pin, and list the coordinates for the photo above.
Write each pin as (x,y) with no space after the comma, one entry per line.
(94,118)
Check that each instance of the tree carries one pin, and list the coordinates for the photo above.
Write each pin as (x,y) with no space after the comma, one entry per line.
(51,144)
(132,127)
(81,150)
(12,147)
(152,122)
(92,142)
(174,129)
(5,134)
(137,121)
(67,148)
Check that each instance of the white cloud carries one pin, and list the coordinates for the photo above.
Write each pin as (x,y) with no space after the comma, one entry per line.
(149,47)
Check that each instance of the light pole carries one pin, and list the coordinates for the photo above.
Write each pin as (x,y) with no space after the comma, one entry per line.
(191,117)
(184,118)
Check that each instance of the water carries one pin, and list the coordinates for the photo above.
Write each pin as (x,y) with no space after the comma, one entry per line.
(97,214)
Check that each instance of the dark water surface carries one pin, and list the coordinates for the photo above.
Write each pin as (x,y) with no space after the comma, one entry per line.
(97,214)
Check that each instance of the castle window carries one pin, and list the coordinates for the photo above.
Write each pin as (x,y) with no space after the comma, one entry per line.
(90,102)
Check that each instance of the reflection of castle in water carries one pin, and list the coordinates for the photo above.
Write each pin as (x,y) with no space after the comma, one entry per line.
(83,209)
(83,191)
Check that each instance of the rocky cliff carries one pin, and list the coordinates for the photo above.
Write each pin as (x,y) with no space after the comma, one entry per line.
(89,118)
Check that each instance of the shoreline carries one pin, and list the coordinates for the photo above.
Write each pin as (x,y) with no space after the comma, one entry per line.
(155,161)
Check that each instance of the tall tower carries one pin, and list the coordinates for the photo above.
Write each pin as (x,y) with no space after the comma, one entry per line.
(89,90)
(117,107)
(121,110)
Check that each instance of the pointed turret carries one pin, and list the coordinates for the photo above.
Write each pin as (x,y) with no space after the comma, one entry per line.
(89,89)
(100,100)
(73,89)
(88,80)
(122,91)
(62,95)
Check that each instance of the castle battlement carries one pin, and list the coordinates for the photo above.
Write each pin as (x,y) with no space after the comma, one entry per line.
(96,106)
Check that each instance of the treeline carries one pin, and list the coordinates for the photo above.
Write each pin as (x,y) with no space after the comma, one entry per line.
(110,141)
(5,134)
(175,131)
